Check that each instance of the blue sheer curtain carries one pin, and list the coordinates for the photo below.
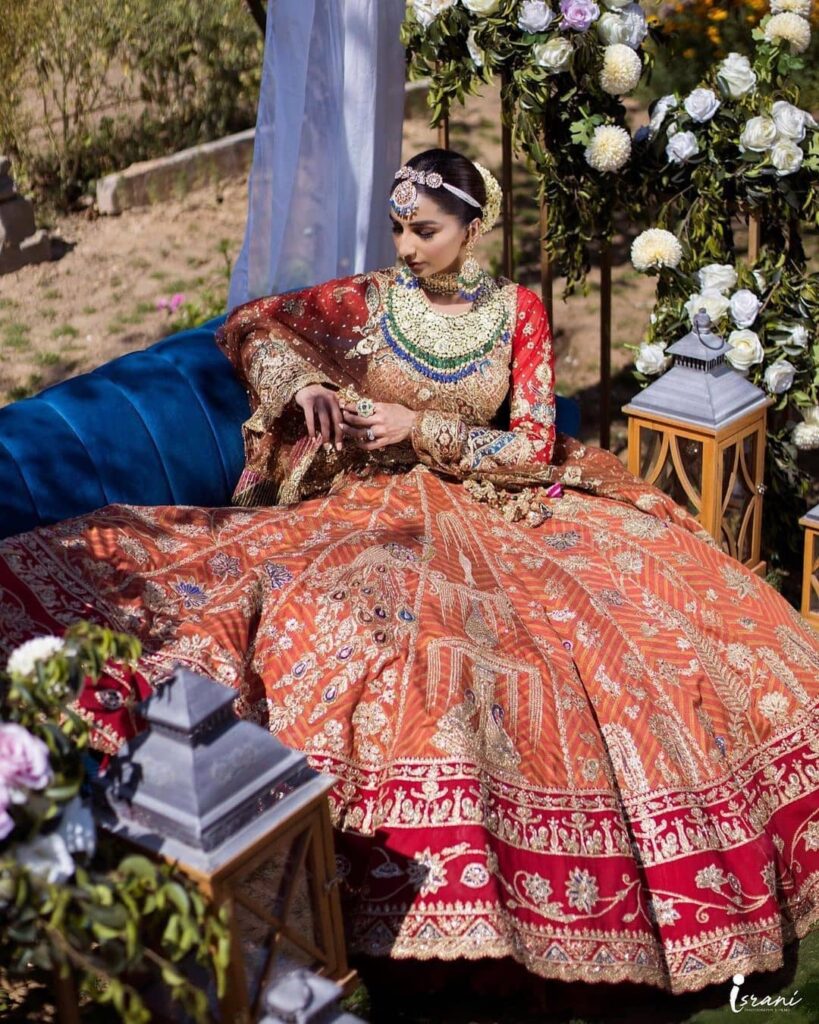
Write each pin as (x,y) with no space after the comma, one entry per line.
(328,141)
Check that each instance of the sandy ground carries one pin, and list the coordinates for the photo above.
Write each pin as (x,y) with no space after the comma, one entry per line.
(98,300)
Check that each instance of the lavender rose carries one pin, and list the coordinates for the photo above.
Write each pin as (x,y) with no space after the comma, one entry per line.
(6,820)
(23,760)
(579,14)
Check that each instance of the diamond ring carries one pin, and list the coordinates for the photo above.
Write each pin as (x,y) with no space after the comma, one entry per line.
(370,434)
(365,407)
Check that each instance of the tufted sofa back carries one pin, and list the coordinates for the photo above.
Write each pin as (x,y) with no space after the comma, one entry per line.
(156,427)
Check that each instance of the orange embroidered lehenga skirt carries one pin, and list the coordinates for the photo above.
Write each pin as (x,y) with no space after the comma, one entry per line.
(587,739)
(591,746)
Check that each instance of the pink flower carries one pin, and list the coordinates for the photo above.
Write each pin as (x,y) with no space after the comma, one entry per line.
(171,304)
(23,761)
(6,820)
(579,14)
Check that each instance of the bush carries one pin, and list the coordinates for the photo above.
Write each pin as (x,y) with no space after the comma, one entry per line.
(89,88)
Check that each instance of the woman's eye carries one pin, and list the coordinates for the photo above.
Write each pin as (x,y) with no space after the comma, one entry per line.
(426,234)
(395,228)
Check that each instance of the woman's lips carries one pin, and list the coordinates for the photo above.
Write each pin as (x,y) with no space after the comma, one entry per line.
(414,266)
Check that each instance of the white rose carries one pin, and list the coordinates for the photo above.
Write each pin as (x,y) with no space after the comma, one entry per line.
(636,25)
(717,277)
(555,55)
(475,52)
(681,147)
(790,121)
(744,307)
(481,6)
(735,76)
(779,376)
(659,113)
(714,303)
(758,135)
(797,339)
(47,857)
(23,660)
(611,28)
(426,11)
(535,16)
(616,4)
(800,7)
(621,70)
(701,104)
(746,349)
(651,359)
(791,29)
(786,157)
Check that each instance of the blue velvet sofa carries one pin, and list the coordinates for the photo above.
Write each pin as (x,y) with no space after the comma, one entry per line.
(156,427)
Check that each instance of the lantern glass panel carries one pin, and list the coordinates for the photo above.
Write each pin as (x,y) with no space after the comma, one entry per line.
(813,598)
(272,899)
(738,493)
(674,464)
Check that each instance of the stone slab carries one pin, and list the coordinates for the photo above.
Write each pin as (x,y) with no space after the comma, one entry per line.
(16,221)
(153,181)
(36,249)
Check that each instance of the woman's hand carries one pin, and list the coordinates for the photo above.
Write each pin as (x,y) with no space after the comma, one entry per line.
(390,423)
(320,406)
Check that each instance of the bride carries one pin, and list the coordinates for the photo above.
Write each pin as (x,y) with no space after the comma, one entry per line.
(566,728)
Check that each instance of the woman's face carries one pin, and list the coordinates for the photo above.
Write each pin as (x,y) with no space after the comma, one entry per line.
(432,241)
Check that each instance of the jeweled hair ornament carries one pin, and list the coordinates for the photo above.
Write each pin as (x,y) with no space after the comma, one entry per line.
(404,198)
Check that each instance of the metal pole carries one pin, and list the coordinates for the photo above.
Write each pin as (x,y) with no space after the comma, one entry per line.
(754,235)
(605,344)
(546,270)
(506,185)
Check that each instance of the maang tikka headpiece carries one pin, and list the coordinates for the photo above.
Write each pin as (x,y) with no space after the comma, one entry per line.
(404,198)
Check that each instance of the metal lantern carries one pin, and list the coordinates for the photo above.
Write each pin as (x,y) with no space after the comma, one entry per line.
(246,819)
(810,571)
(698,433)
(302,997)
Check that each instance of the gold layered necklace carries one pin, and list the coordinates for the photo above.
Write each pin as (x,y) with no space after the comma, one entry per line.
(441,284)
(442,347)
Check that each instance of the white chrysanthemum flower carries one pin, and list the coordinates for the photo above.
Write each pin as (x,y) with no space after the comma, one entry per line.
(621,71)
(23,660)
(609,149)
(806,435)
(800,7)
(789,28)
(655,248)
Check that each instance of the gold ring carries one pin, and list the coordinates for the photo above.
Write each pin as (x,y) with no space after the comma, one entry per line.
(365,407)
